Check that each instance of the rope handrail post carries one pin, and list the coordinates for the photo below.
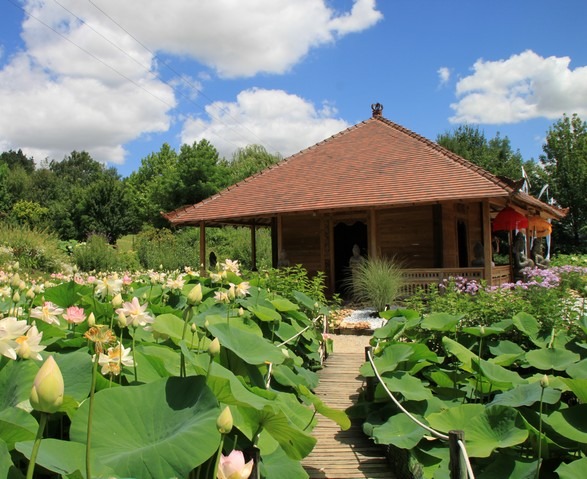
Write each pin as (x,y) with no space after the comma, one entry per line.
(369,381)
(457,463)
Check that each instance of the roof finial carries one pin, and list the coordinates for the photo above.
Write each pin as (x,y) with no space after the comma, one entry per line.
(377,108)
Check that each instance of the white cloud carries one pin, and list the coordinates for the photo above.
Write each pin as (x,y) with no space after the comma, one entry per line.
(281,122)
(443,75)
(92,86)
(523,87)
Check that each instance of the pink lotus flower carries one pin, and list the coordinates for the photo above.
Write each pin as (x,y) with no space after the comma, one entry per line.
(233,466)
(74,315)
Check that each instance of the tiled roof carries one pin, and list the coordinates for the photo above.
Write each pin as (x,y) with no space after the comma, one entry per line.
(374,163)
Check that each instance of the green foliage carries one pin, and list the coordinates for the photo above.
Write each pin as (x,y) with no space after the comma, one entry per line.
(235,243)
(30,213)
(494,155)
(96,254)
(518,403)
(376,282)
(565,161)
(286,281)
(248,161)
(163,249)
(32,249)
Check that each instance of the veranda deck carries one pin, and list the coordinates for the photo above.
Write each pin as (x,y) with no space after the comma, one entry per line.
(344,454)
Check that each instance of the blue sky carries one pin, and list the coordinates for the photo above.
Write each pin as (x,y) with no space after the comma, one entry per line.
(120,78)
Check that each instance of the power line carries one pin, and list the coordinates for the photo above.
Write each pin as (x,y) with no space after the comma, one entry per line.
(127,78)
(180,75)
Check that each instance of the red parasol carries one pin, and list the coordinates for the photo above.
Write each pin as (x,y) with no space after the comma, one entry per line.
(509,219)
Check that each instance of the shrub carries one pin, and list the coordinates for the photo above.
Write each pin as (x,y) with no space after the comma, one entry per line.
(162,249)
(376,281)
(95,255)
(33,249)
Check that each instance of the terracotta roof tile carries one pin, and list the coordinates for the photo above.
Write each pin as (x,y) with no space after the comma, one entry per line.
(374,163)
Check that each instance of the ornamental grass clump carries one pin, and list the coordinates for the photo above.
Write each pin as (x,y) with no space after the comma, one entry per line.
(376,282)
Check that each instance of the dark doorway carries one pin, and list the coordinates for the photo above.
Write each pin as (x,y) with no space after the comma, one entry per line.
(462,244)
(345,237)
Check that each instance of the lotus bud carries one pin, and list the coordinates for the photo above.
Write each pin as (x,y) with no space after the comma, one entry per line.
(241,311)
(482,330)
(117,301)
(231,292)
(214,348)
(47,392)
(15,281)
(22,285)
(122,320)
(16,266)
(91,320)
(30,294)
(194,328)
(544,382)
(224,421)
(15,297)
(195,295)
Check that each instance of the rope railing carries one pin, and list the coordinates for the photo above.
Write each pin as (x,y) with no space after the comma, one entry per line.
(459,442)
(283,343)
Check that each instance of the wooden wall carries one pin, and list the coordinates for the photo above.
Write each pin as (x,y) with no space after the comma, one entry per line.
(470,214)
(408,235)
(300,238)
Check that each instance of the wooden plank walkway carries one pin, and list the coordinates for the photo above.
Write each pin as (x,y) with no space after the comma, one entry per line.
(346,454)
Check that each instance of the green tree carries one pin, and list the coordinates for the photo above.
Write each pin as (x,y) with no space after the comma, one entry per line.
(14,159)
(199,174)
(494,155)
(565,160)
(105,209)
(148,185)
(247,161)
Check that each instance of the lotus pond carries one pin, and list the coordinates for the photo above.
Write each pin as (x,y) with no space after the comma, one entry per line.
(160,375)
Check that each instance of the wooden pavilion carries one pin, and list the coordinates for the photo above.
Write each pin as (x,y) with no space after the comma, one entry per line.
(382,187)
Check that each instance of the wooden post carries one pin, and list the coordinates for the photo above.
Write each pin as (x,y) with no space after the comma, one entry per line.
(457,466)
(202,248)
(487,243)
(253,247)
(369,381)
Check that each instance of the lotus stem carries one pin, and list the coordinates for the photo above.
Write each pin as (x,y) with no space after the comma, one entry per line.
(90,413)
(36,445)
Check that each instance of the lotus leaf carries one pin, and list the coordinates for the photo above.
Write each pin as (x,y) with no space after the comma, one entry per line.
(441,322)
(526,395)
(486,429)
(250,347)
(400,431)
(411,388)
(548,359)
(579,388)
(144,431)
(571,423)
(574,470)
(16,425)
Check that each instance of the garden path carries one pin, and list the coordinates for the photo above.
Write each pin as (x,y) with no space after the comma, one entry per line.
(344,454)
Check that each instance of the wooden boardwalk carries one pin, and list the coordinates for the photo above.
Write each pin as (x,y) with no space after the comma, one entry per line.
(343,454)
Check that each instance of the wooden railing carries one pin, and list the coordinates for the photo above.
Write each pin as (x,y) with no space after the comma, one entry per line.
(416,279)
(500,275)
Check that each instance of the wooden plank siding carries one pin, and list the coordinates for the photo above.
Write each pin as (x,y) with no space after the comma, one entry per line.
(301,238)
(408,235)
